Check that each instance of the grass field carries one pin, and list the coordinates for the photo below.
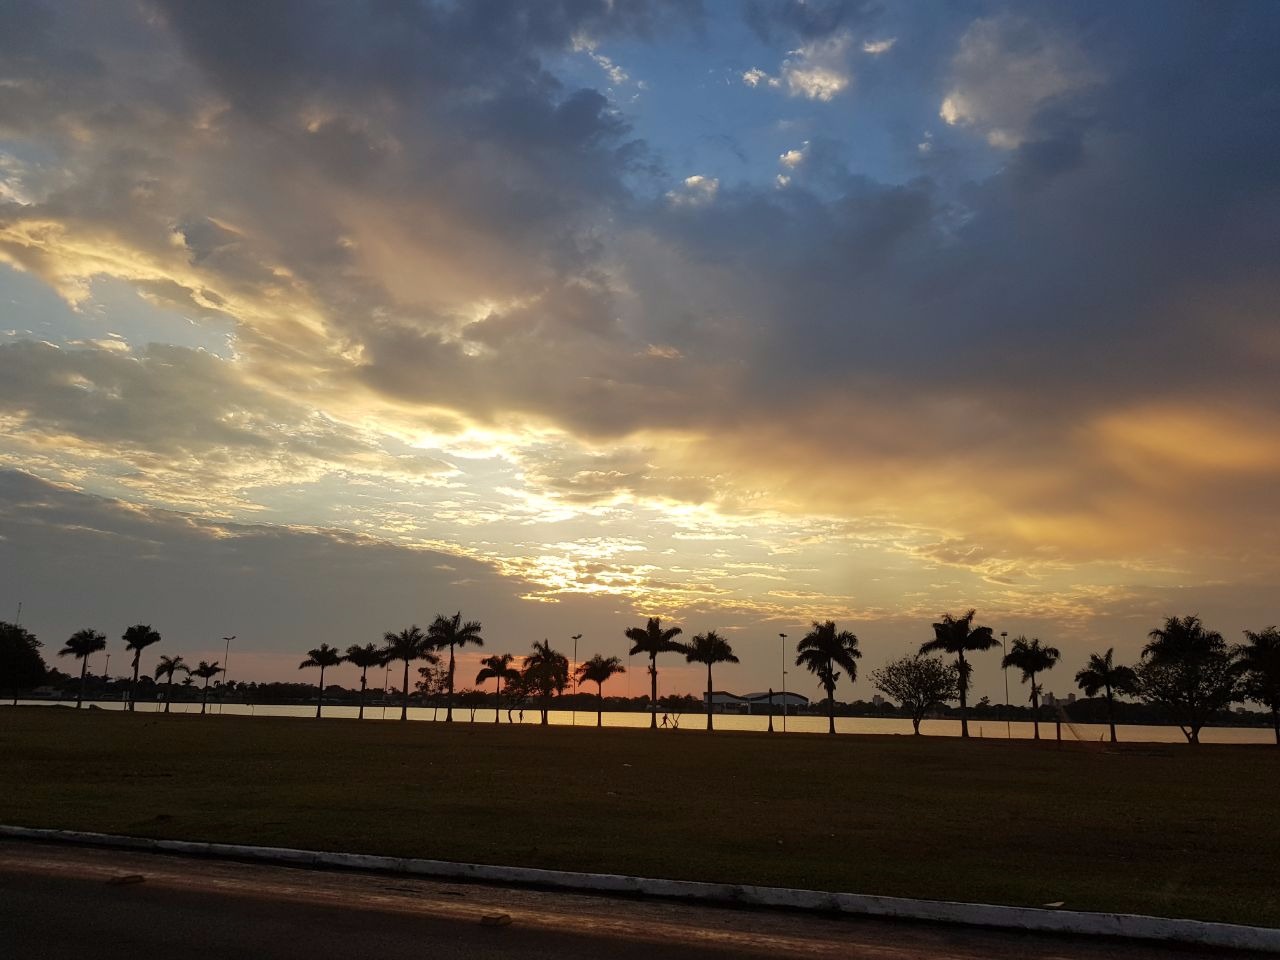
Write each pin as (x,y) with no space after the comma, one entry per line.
(1160,829)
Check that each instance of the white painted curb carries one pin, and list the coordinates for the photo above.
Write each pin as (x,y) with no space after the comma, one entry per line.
(1125,925)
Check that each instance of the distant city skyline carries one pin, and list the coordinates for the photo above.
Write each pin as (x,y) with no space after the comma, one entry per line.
(318,321)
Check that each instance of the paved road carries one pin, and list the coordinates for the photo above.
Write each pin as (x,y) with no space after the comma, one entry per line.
(79,902)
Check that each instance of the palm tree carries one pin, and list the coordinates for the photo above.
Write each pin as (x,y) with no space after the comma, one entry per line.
(364,658)
(452,632)
(407,645)
(168,666)
(957,635)
(709,648)
(821,651)
(497,667)
(1103,673)
(82,645)
(206,671)
(137,638)
(322,656)
(547,672)
(1031,657)
(1261,659)
(597,670)
(652,640)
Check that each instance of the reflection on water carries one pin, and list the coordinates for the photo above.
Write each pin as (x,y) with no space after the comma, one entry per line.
(991,729)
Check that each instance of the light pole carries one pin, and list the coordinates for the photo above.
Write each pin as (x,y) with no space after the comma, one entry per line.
(1008,726)
(106,675)
(226,658)
(576,638)
(783,638)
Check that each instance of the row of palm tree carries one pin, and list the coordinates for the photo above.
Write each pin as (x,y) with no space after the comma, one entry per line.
(1185,667)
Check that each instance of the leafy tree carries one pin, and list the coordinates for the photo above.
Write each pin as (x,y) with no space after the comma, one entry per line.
(473,700)
(546,673)
(323,656)
(919,683)
(958,635)
(206,671)
(1190,672)
(1103,673)
(435,680)
(652,640)
(709,648)
(21,666)
(137,638)
(365,657)
(497,667)
(82,645)
(1031,657)
(167,667)
(1261,658)
(597,670)
(452,632)
(822,650)
(408,645)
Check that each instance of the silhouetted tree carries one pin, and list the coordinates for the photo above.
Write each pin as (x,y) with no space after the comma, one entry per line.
(822,650)
(1190,672)
(82,645)
(1031,657)
(167,667)
(452,632)
(919,683)
(497,667)
(323,656)
(434,681)
(958,635)
(597,670)
(21,666)
(1261,658)
(1103,673)
(709,648)
(546,672)
(206,671)
(137,638)
(473,700)
(652,640)
(408,645)
(365,657)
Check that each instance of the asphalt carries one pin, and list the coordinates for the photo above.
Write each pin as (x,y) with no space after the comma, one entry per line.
(60,901)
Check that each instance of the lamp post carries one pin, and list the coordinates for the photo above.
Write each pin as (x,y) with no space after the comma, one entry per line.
(1008,726)
(574,675)
(226,659)
(106,675)
(783,638)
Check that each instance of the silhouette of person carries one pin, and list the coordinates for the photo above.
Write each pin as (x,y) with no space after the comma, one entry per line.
(666,720)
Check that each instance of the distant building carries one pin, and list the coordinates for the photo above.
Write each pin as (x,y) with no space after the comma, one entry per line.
(1051,701)
(878,701)
(724,702)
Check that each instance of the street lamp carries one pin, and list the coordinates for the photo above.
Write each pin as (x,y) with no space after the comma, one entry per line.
(1008,726)
(226,659)
(783,638)
(576,637)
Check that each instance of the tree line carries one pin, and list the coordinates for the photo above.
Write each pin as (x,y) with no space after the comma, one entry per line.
(1186,670)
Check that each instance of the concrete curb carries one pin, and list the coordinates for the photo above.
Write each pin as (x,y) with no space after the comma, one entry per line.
(1129,926)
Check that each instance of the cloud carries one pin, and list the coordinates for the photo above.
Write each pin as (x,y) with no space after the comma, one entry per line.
(1006,70)
(695,191)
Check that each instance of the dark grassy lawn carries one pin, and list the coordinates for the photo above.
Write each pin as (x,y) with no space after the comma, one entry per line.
(1161,829)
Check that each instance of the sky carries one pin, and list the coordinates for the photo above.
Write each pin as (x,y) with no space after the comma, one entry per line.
(319,319)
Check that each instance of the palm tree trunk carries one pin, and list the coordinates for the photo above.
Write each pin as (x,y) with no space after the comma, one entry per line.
(1111,714)
(964,699)
(133,687)
(831,709)
(168,692)
(448,715)
(320,698)
(653,691)
(600,709)
(497,703)
(204,699)
(1275,722)
(1035,707)
(404,699)
(709,727)
(363,684)
(546,705)
(84,666)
